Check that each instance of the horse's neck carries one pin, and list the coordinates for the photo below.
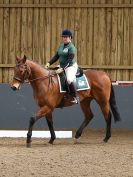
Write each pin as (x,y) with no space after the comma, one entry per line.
(36,70)
(39,78)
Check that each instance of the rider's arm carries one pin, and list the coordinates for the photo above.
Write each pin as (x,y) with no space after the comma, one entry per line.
(54,59)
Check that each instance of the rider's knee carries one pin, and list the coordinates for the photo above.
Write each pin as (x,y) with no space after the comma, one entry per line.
(69,80)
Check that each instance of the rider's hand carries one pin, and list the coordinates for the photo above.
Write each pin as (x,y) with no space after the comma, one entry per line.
(60,70)
(47,65)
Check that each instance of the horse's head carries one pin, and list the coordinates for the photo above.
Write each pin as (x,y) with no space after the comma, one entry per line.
(21,72)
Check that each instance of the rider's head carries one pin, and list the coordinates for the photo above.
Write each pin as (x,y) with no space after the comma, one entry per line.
(67,36)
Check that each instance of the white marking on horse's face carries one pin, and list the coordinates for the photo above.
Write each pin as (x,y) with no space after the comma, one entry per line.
(15,85)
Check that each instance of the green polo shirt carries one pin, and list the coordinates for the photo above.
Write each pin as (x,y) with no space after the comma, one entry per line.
(64,51)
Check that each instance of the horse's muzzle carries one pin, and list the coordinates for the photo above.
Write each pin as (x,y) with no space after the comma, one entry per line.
(15,86)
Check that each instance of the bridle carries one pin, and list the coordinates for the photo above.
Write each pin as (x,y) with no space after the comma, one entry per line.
(27,72)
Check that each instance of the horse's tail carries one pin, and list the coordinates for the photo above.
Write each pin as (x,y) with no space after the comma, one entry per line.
(113,105)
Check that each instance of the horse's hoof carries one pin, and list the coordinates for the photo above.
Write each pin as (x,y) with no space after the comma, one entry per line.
(51,142)
(28,145)
(105,140)
(75,140)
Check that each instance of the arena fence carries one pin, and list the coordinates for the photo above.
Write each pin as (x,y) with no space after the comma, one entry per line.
(103,33)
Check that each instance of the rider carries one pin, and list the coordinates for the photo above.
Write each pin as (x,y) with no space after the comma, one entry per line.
(67,56)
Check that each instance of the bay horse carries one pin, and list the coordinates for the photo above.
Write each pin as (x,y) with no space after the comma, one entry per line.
(46,93)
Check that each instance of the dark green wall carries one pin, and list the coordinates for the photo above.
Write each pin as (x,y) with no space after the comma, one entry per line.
(16,108)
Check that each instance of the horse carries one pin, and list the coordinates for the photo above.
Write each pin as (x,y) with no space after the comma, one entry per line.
(46,93)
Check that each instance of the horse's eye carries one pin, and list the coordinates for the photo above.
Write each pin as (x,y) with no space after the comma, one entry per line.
(21,71)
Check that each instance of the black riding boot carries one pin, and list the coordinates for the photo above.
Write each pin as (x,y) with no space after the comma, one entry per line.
(73,93)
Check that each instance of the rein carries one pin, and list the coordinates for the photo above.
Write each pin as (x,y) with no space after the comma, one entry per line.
(43,77)
(39,78)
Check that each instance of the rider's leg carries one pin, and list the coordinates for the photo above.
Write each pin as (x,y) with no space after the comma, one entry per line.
(73,93)
(70,75)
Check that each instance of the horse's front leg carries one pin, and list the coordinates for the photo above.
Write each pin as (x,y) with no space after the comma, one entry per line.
(42,112)
(51,128)
(29,134)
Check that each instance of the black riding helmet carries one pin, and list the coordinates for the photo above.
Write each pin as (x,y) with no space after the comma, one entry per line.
(67,32)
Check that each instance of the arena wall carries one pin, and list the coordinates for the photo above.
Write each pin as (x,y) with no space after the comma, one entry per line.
(17,107)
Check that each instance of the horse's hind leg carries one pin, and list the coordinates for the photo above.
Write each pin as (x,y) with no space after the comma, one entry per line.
(88,115)
(107,115)
(108,128)
(51,128)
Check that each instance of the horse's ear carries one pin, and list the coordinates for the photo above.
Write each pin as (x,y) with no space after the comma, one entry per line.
(17,58)
(24,59)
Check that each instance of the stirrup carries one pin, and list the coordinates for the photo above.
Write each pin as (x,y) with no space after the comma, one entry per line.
(75,100)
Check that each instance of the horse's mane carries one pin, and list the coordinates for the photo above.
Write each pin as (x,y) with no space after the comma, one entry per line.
(34,62)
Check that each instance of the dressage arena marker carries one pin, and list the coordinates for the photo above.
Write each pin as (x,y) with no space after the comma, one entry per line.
(122,83)
(36,134)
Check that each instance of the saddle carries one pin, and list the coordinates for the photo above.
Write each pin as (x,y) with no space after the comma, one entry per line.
(79,72)
(63,80)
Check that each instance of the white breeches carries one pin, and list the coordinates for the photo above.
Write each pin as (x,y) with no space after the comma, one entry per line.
(71,72)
